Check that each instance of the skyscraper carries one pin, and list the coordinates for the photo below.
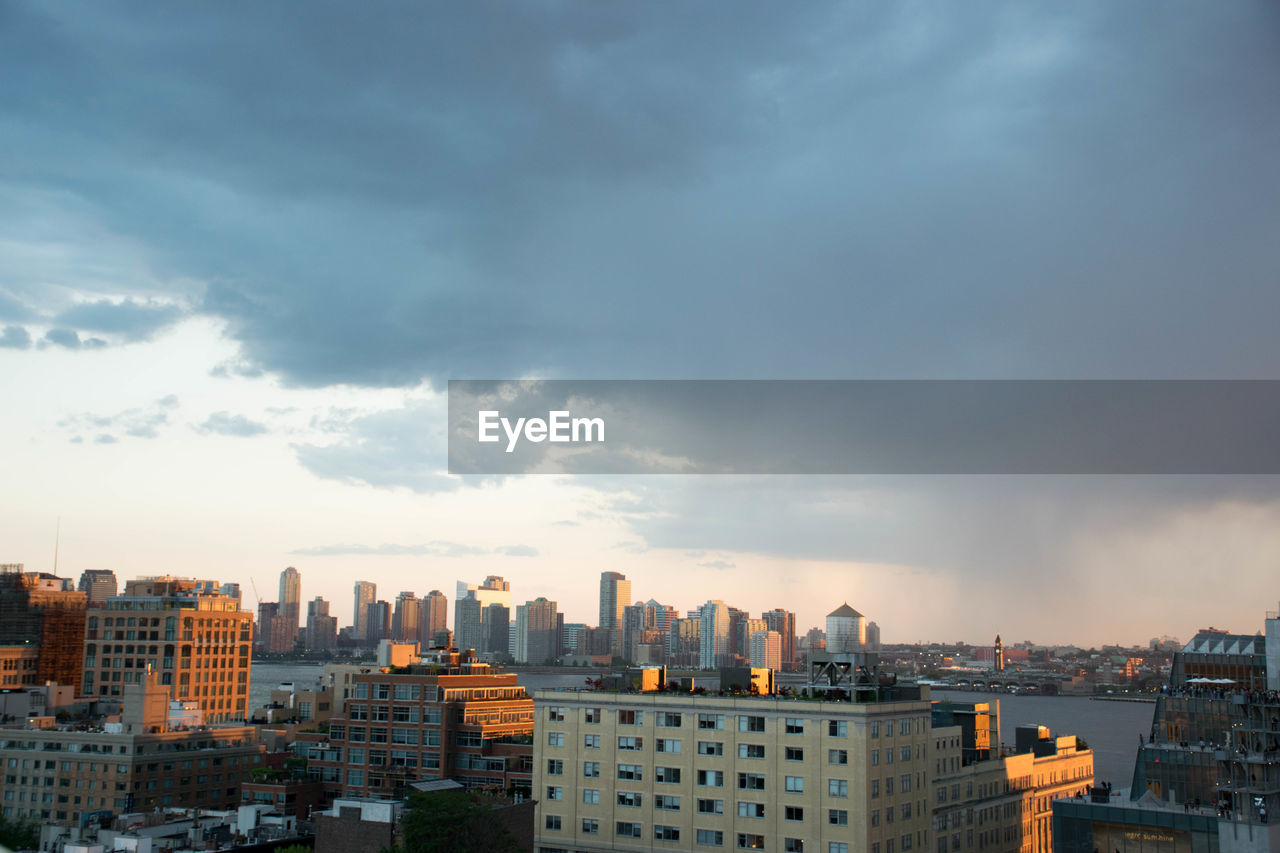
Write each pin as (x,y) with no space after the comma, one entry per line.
(321,632)
(615,592)
(714,639)
(43,611)
(98,585)
(495,630)
(467,628)
(766,649)
(406,620)
(784,622)
(435,617)
(290,605)
(365,594)
(537,634)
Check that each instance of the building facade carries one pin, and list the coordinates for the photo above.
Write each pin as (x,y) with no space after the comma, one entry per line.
(43,612)
(677,771)
(615,592)
(196,639)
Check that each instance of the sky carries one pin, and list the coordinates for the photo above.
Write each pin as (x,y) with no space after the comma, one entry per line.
(242,250)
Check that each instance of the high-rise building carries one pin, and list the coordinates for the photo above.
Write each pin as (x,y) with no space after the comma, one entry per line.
(714,635)
(196,638)
(615,592)
(846,631)
(495,630)
(434,618)
(766,649)
(467,627)
(321,633)
(98,585)
(290,606)
(264,636)
(378,622)
(537,637)
(43,612)
(873,636)
(784,622)
(406,620)
(365,594)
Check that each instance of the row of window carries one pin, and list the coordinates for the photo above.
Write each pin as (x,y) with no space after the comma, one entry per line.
(745,722)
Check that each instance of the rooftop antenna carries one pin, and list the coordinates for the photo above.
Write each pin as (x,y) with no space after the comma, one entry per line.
(57,538)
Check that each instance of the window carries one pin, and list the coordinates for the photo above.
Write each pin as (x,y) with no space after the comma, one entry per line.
(794,753)
(793,813)
(710,837)
(794,726)
(591,715)
(751,781)
(591,741)
(555,715)
(837,787)
(906,811)
(630,799)
(555,767)
(837,817)
(837,847)
(838,728)
(668,775)
(666,833)
(793,845)
(591,769)
(555,738)
(904,784)
(750,724)
(904,753)
(875,729)
(794,784)
(711,721)
(875,758)
(750,809)
(747,841)
(711,778)
(888,756)
(555,793)
(669,721)
(888,786)
(590,825)
(710,747)
(875,817)
(630,718)
(591,796)
(628,830)
(667,803)
(630,744)
(630,771)
(710,806)
(667,745)
(904,727)
(751,750)
(906,842)
(837,756)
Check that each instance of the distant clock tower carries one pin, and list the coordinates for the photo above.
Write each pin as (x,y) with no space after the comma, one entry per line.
(999,656)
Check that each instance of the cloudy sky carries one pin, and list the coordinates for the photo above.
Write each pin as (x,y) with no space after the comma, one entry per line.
(242,248)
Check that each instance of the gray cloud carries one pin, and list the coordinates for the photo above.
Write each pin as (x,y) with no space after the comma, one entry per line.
(435,548)
(835,191)
(144,422)
(129,320)
(12,308)
(517,551)
(225,423)
(15,337)
(69,339)
(106,438)
(718,564)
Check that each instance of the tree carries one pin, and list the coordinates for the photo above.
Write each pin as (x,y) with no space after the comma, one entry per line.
(452,822)
(19,833)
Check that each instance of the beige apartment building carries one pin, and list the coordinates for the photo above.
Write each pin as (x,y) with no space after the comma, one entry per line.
(195,637)
(680,771)
(991,802)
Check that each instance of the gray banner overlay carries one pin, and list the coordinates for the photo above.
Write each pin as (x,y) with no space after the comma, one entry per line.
(864,427)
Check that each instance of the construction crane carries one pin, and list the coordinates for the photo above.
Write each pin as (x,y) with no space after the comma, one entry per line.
(257,599)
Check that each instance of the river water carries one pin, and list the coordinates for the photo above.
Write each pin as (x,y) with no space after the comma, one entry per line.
(1110,728)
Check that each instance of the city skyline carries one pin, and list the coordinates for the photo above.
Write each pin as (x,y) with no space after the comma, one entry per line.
(238,274)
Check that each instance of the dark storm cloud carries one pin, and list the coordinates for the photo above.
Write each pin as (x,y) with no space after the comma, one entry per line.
(225,423)
(130,320)
(629,190)
(15,337)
